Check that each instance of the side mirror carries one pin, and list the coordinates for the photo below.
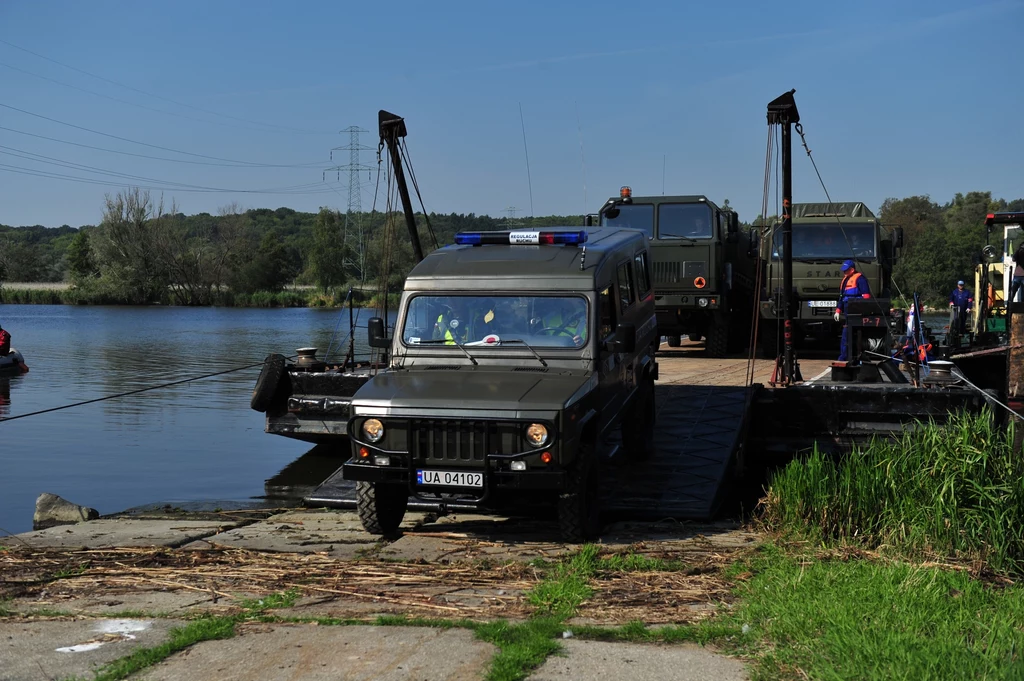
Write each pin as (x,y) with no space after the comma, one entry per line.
(377,334)
(612,213)
(897,237)
(734,222)
(624,340)
(589,220)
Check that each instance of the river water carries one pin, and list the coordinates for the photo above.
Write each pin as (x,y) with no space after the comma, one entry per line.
(194,442)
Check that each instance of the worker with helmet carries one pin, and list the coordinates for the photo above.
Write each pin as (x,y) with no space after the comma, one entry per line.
(853,285)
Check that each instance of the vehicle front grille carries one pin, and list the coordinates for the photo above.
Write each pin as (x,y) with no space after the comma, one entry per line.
(679,272)
(462,441)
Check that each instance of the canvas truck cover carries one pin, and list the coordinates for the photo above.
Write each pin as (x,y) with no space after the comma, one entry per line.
(842,210)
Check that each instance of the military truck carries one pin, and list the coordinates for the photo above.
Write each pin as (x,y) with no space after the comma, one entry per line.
(519,360)
(824,235)
(702,263)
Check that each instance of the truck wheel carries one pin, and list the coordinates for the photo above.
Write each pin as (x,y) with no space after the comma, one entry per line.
(381,506)
(674,341)
(638,425)
(266,384)
(693,337)
(579,507)
(717,344)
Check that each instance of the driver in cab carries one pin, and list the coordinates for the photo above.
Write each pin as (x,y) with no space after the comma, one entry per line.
(562,318)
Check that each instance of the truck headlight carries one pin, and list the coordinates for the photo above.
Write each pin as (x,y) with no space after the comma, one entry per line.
(536,434)
(373,430)
(703,302)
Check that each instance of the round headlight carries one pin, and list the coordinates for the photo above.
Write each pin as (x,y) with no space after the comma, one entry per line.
(703,302)
(536,434)
(373,430)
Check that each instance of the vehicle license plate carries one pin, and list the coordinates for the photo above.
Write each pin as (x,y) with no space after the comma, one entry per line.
(821,303)
(450,478)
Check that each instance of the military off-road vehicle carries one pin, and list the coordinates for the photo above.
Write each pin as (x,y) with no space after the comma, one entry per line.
(702,264)
(519,361)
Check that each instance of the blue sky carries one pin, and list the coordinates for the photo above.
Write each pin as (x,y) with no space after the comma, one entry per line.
(896,99)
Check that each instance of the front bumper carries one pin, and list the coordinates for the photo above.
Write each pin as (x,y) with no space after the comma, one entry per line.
(524,480)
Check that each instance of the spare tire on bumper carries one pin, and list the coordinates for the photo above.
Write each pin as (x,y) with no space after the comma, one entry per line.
(266,385)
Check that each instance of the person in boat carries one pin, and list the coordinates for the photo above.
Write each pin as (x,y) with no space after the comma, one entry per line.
(960,301)
(5,342)
(853,285)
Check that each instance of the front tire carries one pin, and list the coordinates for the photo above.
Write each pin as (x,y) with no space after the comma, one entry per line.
(381,506)
(674,341)
(717,343)
(579,507)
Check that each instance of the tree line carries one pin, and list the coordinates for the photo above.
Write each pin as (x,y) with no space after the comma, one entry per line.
(145,252)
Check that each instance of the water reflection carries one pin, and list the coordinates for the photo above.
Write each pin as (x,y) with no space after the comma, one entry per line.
(5,396)
(190,442)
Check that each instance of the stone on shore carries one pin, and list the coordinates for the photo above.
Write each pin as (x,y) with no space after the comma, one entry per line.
(52,510)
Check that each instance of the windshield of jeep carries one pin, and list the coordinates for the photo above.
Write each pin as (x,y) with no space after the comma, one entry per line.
(828,241)
(540,321)
(684,221)
(639,216)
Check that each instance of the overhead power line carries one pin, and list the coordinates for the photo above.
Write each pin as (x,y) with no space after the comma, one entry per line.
(201,190)
(125,101)
(40,158)
(303,166)
(161,97)
(131,141)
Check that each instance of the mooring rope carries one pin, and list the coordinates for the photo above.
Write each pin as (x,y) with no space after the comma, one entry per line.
(134,392)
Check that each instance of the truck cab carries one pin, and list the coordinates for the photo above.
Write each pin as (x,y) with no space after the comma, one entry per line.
(824,235)
(517,362)
(701,263)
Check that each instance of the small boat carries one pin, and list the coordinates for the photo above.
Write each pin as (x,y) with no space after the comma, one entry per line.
(13,364)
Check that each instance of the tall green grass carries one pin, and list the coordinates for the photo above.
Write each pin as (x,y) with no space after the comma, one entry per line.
(956,490)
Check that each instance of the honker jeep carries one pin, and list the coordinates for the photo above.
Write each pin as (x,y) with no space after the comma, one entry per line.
(518,362)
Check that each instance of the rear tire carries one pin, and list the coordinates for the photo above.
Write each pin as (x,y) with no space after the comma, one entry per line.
(674,341)
(579,507)
(266,385)
(638,425)
(693,337)
(381,506)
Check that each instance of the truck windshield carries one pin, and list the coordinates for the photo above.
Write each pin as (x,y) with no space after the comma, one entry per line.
(638,216)
(541,321)
(828,241)
(684,221)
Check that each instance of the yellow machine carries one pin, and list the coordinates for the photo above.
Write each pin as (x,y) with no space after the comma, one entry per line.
(993,276)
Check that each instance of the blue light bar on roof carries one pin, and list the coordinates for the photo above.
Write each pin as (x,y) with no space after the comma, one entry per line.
(521,237)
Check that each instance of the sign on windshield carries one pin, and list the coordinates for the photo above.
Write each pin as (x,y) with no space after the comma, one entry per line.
(828,241)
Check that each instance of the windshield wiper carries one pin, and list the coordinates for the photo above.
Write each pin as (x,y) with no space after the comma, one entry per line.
(528,347)
(438,341)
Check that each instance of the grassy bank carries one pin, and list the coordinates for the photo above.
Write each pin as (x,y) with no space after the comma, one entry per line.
(843,615)
(66,295)
(954,492)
